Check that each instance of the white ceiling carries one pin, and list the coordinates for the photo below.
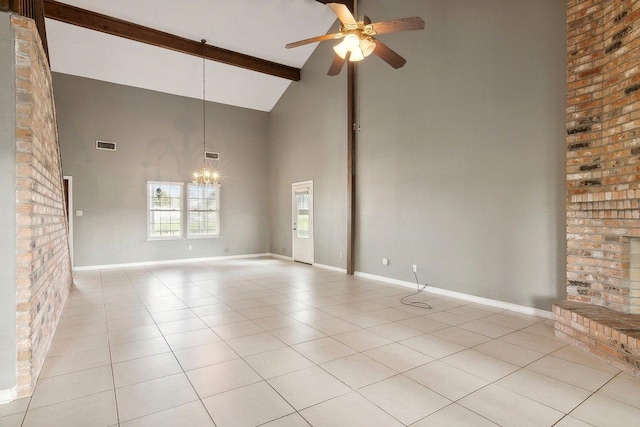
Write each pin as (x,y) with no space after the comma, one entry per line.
(258,28)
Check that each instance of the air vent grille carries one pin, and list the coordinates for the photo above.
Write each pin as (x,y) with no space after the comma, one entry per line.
(211,155)
(105,145)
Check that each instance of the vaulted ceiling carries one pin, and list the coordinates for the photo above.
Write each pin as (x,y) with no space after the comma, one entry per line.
(259,28)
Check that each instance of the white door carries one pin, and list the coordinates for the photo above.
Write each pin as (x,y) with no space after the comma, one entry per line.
(302,214)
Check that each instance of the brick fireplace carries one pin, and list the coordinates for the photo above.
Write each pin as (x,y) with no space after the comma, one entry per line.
(602,311)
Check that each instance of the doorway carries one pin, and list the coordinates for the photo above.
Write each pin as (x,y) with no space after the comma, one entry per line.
(302,215)
(68,201)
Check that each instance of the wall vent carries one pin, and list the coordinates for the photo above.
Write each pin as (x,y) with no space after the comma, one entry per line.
(105,145)
(211,155)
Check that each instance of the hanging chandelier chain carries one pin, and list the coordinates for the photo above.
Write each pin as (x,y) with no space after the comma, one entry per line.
(204,176)
(204,120)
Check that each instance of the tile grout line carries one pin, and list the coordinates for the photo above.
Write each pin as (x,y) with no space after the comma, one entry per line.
(172,352)
(257,373)
(460,351)
(26,411)
(286,292)
(113,378)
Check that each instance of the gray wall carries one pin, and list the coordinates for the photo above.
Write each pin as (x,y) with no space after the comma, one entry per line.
(307,142)
(159,138)
(7,206)
(461,154)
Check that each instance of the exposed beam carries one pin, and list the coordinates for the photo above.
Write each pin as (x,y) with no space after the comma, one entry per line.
(348,3)
(352,139)
(117,27)
(33,9)
(352,134)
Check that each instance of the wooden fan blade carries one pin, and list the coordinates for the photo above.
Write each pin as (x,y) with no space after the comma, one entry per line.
(397,25)
(336,65)
(332,36)
(388,55)
(343,13)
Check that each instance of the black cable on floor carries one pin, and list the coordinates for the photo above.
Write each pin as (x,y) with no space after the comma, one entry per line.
(418,304)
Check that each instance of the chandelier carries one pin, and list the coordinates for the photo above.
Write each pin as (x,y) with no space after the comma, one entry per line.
(204,175)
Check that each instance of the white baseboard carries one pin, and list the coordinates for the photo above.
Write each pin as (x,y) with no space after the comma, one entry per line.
(169,261)
(453,294)
(284,257)
(466,297)
(7,395)
(323,266)
(331,267)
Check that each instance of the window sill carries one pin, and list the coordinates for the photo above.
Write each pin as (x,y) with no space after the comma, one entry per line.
(164,239)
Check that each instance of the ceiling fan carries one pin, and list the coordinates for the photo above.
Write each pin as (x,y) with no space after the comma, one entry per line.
(358,38)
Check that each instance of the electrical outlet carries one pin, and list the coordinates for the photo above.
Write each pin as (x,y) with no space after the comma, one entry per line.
(385,261)
(190,247)
(340,254)
(414,268)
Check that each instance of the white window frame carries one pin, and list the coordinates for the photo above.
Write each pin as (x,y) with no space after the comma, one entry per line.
(150,190)
(216,211)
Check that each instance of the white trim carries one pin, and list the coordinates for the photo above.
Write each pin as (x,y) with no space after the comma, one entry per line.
(284,257)
(8,395)
(183,223)
(188,211)
(98,141)
(466,297)
(445,292)
(168,261)
(330,267)
(309,184)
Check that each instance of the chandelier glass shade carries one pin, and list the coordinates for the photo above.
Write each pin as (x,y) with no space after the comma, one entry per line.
(357,45)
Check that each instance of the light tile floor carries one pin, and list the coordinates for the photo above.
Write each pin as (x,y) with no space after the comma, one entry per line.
(273,343)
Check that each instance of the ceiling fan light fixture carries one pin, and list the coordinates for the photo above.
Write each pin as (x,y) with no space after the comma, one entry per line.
(341,50)
(358,42)
(367,45)
(351,41)
(356,55)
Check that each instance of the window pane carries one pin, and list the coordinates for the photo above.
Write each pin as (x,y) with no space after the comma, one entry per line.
(175,204)
(203,217)
(165,210)
(302,213)
(193,204)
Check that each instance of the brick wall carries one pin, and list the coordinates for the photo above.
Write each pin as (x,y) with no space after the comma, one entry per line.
(603,150)
(43,268)
(610,335)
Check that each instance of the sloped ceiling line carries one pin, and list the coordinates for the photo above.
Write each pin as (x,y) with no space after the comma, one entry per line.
(117,27)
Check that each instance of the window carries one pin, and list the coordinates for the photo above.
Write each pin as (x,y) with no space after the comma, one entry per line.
(165,210)
(203,210)
(302,208)
(168,211)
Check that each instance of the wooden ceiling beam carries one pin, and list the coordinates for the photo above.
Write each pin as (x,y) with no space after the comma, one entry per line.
(348,3)
(352,144)
(117,27)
